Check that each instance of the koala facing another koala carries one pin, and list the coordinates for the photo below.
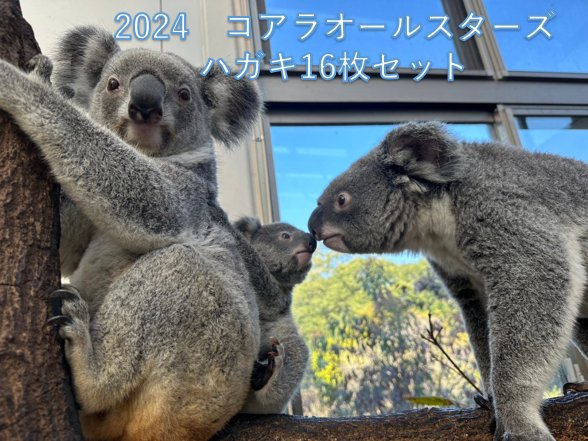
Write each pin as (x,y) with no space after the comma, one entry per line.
(163,334)
(285,254)
(507,231)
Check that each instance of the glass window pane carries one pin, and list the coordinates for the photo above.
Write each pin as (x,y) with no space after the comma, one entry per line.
(362,316)
(566,51)
(562,135)
(369,43)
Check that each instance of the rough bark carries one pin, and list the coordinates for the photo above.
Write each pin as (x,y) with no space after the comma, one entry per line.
(36,402)
(567,417)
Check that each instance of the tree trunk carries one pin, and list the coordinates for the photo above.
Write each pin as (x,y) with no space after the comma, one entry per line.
(36,401)
(567,417)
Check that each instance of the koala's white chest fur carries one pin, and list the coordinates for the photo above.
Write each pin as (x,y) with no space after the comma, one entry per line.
(434,235)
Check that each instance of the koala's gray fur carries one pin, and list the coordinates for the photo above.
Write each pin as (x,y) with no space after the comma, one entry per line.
(285,254)
(506,229)
(162,344)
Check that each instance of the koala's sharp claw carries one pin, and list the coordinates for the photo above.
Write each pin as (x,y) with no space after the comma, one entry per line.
(572,388)
(483,402)
(59,320)
(271,361)
(71,288)
(63,294)
(260,376)
(262,372)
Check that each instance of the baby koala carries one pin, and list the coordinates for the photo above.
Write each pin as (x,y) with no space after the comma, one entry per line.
(285,253)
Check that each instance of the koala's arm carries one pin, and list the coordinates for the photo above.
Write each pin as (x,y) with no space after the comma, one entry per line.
(266,286)
(290,365)
(133,198)
(473,310)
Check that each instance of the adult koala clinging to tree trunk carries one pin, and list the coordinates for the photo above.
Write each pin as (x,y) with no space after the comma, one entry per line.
(162,341)
(507,230)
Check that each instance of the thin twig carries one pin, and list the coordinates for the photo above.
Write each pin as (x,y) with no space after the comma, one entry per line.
(433,338)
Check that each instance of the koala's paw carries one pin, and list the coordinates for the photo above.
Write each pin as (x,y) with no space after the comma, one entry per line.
(263,372)
(74,319)
(41,67)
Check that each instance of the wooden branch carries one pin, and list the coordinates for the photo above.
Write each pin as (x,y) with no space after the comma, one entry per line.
(36,402)
(566,416)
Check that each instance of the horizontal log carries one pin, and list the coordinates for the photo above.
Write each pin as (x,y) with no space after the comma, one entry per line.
(566,416)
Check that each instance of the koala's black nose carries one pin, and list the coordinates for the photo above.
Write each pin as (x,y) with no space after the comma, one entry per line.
(314,223)
(146,101)
(311,244)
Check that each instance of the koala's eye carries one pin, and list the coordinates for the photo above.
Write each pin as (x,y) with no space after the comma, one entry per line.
(113,84)
(343,200)
(285,236)
(184,94)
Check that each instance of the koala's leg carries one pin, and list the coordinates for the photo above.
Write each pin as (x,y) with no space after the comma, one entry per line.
(103,365)
(530,299)
(136,199)
(473,311)
(289,363)
(176,335)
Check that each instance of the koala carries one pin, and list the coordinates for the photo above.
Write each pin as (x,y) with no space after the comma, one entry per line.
(163,329)
(505,229)
(286,254)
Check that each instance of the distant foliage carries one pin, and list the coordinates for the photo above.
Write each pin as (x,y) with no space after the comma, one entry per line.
(362,319)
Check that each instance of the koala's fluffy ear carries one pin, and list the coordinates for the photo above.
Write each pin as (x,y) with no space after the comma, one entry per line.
(423,151)
(80,58)
(248,226)
(235,106)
